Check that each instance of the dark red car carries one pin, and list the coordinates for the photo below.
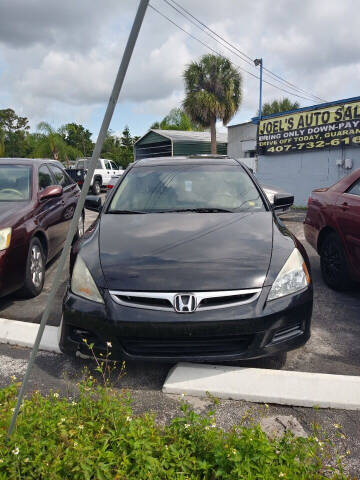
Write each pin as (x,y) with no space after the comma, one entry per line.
(37,203)
(332,227)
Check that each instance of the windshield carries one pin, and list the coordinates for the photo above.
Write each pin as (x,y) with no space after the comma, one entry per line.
(15,183)
(86,162)
(185,188)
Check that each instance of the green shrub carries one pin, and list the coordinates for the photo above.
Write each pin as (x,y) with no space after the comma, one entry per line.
(98,437)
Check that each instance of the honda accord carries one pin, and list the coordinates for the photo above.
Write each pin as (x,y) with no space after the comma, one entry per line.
(37,203)
(187,261)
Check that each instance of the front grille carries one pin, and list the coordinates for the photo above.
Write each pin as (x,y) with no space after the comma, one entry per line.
(220,301)
(133,300)
(166,300)
(287,332)
(178,347)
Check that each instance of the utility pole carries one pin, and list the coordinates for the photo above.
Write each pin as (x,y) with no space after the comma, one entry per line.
(80,205)
(259,61)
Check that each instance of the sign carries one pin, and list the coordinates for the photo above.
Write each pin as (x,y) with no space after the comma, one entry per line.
(334,126)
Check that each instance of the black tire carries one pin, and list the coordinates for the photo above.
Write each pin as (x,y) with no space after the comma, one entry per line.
(96,188)
(333,263)
(35,270)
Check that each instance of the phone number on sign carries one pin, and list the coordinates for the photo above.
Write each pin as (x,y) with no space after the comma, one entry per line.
(317,144)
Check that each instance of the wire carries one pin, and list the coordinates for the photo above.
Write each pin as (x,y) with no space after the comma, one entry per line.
(247,58)
(218,53)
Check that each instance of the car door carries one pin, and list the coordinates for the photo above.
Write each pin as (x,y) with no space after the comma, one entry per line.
(348,209)
(50,211)
(108,172)
(70,196)
(114,168)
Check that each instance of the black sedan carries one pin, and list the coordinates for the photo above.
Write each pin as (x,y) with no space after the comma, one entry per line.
(187,261)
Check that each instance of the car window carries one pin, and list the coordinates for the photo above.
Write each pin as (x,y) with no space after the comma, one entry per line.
(355,188)
(45,179)
(114,166)
(168,188)
(15,183)
(60,176)
(108,165)
(85,163)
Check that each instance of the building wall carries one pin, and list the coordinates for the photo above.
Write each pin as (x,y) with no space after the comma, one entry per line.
(299,173)
(242,140)
(242,143)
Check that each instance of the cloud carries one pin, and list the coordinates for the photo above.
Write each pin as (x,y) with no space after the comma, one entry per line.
(59,59)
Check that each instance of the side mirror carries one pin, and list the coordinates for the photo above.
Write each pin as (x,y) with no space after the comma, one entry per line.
(282,201)
(93,203)
(50,192)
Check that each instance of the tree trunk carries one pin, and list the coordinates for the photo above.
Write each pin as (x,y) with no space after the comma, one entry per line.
(55,154)
(213,135)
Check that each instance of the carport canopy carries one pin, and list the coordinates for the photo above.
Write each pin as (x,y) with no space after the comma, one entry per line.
(162,143)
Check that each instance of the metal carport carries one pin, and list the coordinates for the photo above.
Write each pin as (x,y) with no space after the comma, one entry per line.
(161,143)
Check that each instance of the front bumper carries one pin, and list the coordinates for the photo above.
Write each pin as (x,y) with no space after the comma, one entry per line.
(243,332)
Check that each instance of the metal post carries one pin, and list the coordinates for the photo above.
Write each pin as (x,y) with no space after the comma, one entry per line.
(80,205)
(260,96)
(259,61)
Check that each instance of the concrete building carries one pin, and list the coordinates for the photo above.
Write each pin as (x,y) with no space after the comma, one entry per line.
(242,143)
(301,150)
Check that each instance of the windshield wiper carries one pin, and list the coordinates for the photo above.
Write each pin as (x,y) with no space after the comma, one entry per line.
(200,210)
(126,212)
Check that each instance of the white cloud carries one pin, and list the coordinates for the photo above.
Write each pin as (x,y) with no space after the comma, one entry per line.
(59,59)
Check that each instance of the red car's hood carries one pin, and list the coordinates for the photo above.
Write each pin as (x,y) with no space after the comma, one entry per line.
(11,212)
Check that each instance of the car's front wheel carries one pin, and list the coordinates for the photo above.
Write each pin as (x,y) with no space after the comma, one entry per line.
(333,263)
(35,270)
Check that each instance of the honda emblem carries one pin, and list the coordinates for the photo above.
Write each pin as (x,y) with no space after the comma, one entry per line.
(185,303)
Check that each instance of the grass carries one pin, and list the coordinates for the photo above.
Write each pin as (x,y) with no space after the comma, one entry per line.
(97,436)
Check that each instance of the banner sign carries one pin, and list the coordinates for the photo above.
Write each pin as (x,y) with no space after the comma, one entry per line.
(333,126)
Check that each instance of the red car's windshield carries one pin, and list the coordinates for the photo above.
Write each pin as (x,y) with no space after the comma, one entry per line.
(15,183)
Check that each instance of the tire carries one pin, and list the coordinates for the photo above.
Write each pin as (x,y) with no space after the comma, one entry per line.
(35,270)
(333,263)
(96,188)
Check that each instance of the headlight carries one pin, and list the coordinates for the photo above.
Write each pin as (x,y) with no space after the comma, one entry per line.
(5,237)
(82,283)
(292,277)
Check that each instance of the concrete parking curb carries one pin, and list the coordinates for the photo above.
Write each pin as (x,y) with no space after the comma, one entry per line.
(262,385)
(233,383)
(23,334)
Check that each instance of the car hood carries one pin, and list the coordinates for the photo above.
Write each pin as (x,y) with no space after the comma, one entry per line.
(185,251)
(10,212)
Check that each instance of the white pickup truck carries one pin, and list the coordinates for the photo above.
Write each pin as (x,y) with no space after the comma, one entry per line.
(105,169)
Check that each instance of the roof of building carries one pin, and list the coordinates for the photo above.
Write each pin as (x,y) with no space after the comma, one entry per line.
(250,122)
(187,136)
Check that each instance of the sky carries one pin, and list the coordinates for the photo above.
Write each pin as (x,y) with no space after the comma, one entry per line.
(58,59)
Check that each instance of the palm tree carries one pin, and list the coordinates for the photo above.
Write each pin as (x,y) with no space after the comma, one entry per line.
(277,106)
(213,91)
(51,142)
(2,143)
